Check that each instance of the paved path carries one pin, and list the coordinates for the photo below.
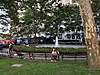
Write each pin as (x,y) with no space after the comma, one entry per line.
(63,46)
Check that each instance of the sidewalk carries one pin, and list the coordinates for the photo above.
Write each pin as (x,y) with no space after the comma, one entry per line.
(63,46)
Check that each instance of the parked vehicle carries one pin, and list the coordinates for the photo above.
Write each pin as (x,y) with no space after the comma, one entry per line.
(1,44)
(18,41)
(9,41)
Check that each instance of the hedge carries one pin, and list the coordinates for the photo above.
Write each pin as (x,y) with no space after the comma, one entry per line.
(45,49)
(5,45)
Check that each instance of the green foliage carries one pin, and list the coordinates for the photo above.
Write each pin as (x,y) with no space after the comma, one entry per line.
(73,18)
(4,19)
(48,16)
(5,45)
(43,16)
(95,5)
(11,8)
(7,36)
(96,10)
(45,49)
(36,17)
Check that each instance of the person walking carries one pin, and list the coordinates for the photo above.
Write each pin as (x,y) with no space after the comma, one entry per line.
(10,48)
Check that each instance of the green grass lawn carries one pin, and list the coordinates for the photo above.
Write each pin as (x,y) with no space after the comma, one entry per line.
(32,67)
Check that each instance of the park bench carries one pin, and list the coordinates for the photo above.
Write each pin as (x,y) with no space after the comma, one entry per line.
(73,55)
(44,55)
(39,55)
(47,55)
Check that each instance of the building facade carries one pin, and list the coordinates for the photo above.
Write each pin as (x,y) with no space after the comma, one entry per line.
(69,1)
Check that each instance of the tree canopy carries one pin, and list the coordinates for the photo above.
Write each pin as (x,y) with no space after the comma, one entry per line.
(49,16)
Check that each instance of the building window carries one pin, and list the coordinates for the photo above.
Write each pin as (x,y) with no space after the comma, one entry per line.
(73,36)
(78,36)
(68,36)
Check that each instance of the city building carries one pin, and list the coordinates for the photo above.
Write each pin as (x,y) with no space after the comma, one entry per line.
(69,1)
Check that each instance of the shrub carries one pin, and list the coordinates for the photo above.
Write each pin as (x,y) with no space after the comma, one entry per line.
(45,49)
(5,46)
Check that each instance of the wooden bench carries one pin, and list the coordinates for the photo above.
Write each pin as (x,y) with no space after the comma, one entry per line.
(47,56)
(73,55)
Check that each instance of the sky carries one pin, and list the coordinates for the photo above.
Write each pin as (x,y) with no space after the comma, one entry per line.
(65,1)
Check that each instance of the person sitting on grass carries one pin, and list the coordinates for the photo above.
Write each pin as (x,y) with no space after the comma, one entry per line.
(54,54)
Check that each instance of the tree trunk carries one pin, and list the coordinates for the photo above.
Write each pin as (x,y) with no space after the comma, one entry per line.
(90,34)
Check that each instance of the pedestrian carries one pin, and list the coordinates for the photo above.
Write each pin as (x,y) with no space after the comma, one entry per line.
(10,48)
(54,55)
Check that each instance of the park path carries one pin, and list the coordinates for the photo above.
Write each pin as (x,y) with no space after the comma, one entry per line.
(63,46)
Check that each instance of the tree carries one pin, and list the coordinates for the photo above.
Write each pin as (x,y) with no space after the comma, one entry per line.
(96,10)
(34,16)
(55,15)
(90,34)
(73,18)
(4,19)
(51,14)
(32,21)
(44,13)
(66,15)
(11,9)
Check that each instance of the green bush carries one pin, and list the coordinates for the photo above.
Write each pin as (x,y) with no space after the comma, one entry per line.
(45,49)
(5,45)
